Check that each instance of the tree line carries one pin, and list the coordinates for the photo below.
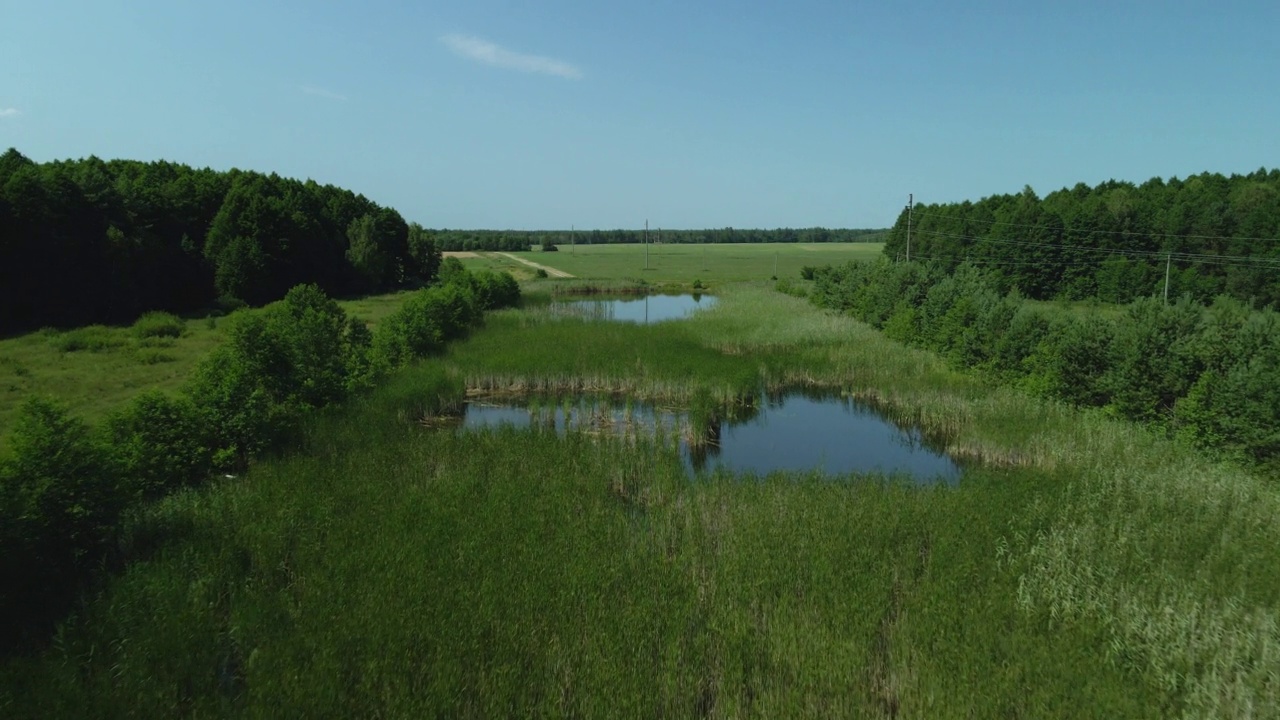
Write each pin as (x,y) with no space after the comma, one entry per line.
(92,241)
(67,490)
(518,240)
(1209,375)
(1214,234)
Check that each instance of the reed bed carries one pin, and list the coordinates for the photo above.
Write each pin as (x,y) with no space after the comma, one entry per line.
(1083,567)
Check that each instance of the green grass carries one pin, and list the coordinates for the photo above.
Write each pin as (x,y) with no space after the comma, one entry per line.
(711,263)
(97,369)
(498,263)
(1086,568)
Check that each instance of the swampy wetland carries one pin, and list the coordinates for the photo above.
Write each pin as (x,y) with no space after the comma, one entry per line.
(395,564)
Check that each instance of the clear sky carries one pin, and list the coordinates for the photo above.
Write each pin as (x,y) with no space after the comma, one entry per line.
(489,114)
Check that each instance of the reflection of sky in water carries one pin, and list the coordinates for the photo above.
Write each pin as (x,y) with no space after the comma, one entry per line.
(643,310)
(832,435)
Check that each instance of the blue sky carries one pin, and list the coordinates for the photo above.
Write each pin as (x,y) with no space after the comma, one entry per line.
(689,114)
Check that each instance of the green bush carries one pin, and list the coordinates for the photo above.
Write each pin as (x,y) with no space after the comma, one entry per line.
(94,338)
(450,268)
(495,290)
(311,327)
(238,408)
(1153,358)
(159,443)
(1028,327)
(59,500)
(159,324)
(903,324)
(1235,403)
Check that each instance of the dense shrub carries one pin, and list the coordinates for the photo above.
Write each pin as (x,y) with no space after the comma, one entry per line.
(159,442)
(239,408)
(1211,375)
(1073,360)
(1153,360)
(59,500)
(159,324)
(1235,403)
(423,324)
(1027,328)
(94,338)
(495,290)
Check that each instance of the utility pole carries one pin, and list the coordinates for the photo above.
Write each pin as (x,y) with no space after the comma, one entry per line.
(571,236)
(910,201)
(1168,259)
(775,266)
(646,244)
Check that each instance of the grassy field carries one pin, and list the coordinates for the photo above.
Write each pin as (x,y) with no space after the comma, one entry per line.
(712,263)
(94,370)
(1083,568)
(97,369)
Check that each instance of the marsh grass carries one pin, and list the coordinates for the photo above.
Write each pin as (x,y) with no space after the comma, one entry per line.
(1085,567)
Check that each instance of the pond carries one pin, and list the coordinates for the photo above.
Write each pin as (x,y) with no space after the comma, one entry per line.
(643,310)
(794,431)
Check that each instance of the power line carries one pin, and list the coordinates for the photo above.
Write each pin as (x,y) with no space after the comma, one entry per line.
(1202,258)
(1153,234)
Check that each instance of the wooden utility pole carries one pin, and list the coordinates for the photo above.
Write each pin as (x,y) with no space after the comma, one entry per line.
(1168,259)
(646,244)
(910,201)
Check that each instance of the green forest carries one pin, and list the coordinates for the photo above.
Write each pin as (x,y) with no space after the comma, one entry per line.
(1213,234)
(92,241)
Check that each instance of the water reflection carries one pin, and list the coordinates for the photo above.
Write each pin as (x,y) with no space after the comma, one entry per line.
(642,310)
(794,431)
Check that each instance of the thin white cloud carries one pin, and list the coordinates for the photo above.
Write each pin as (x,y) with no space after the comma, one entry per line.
(480,50)
(322,93)
(9,112)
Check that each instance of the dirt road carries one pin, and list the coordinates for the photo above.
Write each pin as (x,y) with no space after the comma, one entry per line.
(550,270)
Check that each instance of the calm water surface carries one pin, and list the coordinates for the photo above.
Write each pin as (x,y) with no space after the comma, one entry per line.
(793,432)
(643,310)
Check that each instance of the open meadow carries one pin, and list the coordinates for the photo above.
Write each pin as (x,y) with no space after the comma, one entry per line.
(94,370)
(394,566)
(681,264)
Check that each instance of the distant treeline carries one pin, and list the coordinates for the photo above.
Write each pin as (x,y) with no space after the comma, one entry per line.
(88,241)
(516,240)
(1217,234)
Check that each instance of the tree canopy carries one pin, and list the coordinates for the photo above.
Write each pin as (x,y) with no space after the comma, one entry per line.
(88,241)
(1215,234)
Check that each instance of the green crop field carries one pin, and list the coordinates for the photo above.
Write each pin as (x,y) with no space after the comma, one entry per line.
(682,264)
